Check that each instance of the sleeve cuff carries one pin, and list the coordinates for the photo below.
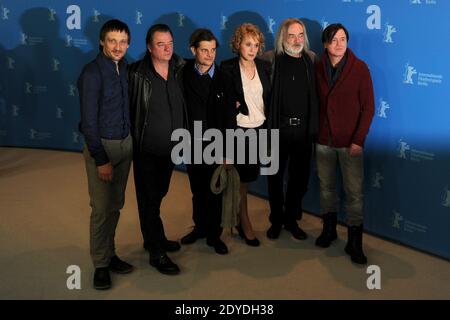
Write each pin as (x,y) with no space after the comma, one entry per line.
(101,158)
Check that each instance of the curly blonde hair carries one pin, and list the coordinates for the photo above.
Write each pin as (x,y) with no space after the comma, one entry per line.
(246,29)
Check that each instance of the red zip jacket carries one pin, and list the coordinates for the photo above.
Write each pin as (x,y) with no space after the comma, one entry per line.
(347,109)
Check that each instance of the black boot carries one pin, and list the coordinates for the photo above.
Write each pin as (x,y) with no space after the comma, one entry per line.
(354,244)
(329,230)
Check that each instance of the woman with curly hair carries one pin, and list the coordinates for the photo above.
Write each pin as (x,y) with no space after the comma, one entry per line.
(250,76)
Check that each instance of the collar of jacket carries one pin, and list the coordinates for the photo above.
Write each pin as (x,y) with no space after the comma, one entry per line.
(189,64)
(104,60)
(233,64)
(176,62)
(351,58)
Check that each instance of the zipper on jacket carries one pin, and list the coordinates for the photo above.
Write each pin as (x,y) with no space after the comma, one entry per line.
(146,114)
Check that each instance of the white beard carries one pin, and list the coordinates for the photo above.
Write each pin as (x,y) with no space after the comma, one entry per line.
(293,51)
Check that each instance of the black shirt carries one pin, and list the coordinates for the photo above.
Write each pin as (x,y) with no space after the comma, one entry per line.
(294,88)
(164,115)
(197,91)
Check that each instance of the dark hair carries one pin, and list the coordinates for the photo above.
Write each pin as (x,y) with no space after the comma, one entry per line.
(330,31)
(156,28)
(200,35)
(113,25)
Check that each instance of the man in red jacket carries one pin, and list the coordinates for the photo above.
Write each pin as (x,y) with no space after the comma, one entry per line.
(346,99)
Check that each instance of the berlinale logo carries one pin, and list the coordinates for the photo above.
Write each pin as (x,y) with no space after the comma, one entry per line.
(382,108)
(15,110)
(75,137)
(223,22)
(33,134)
(388,31)
(408,75)
(51,14)
(96,15)
(69,40)
(272,23)
(28,87)
(396,219)
(377,180)
(59,113)
(5,12)
(402,148)
(181,18)
(23,38)
(72,90)
(10,63)
(324,23)
(138,17)
(55,64)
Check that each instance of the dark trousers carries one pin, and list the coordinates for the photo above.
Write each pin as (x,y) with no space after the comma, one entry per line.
(295,156)
(152,179)
(206,206)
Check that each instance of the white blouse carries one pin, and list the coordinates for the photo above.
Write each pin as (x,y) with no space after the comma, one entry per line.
(253,95)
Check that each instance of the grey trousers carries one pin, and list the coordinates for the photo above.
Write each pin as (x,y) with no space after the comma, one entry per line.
(107,198)
(352,169)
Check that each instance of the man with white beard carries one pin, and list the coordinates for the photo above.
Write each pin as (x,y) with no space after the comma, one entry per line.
(294,111)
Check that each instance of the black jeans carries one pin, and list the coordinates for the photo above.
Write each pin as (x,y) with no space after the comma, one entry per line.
(206,206)
(295,155)
(152,179)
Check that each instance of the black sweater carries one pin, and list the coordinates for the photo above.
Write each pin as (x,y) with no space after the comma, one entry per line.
(208,100)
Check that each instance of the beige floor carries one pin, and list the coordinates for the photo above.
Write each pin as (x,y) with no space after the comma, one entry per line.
(44,229)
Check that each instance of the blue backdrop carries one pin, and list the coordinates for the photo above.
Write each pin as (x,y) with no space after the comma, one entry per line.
(44,45)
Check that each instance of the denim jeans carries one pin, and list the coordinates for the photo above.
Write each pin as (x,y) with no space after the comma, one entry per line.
(352,169)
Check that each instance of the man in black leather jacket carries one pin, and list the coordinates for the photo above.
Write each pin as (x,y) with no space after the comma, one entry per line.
(157,108)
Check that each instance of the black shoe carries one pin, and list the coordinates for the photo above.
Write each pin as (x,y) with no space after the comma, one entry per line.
(171,246)
(296,231)
(219,246)
(250,242)
(192,236)
(354,245)
(274,231)
(102,279)
(164,265)
(118,266)
(329,230)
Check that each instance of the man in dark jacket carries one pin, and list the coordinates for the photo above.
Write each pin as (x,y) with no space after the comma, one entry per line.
(346,111)
(294,111)
(157,108)
(208,104)
(107,153)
